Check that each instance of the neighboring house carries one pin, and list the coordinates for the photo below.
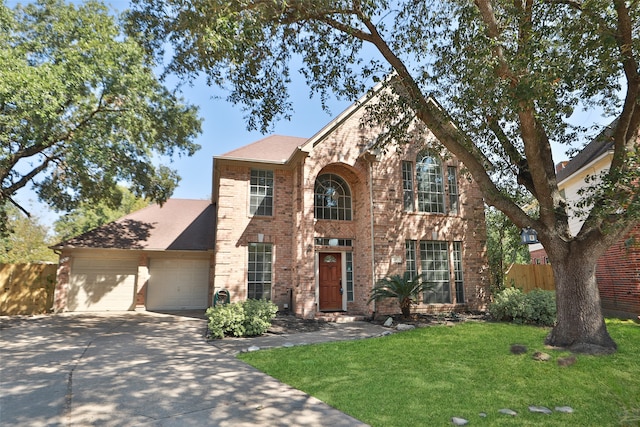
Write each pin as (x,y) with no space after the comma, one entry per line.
(311,224)
(618,270)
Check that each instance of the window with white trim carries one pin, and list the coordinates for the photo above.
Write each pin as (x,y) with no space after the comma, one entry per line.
(429,183)
(332,198)
(407,186)
(261,193)
(452,180)
(436,258)
(434,268)
(259,271)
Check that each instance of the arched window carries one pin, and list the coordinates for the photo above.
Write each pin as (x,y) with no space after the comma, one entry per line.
(430,183)
(332,198)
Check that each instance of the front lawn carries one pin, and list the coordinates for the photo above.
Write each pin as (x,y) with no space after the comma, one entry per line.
(426,376)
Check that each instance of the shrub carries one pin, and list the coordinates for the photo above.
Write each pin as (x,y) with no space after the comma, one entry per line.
(543,307)
(258,316)
(226,319)
(404,289)
(244,319)
(538,307)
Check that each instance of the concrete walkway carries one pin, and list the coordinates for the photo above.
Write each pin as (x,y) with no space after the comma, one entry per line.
(146,369)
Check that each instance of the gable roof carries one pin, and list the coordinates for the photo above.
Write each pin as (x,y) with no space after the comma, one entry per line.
(271,149)
(600,145)
(180,224)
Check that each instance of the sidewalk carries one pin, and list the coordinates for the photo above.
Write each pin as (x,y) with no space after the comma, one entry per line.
(331,332)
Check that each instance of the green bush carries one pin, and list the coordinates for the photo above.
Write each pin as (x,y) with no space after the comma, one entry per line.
(226,319)
(537,307)
(543,307)
(258,316)
(244,319)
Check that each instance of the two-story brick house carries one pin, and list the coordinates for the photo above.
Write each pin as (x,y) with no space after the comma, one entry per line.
(313,223)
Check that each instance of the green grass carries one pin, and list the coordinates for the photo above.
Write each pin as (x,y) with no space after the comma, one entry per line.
(428,375)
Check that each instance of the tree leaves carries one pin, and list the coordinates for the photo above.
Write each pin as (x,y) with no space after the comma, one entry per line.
(82,109)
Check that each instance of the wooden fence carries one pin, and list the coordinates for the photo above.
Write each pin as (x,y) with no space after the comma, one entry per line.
(530,276)
(26,288)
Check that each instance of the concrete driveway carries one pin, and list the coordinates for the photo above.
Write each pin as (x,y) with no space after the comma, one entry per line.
(138,369)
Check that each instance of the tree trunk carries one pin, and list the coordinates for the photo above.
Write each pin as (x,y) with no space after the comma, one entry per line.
(405,308)
(580,325)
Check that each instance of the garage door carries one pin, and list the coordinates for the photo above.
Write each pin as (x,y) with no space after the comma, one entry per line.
(178,284)
(102,284)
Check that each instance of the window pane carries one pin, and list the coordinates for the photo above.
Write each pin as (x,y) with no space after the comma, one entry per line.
(332,198)
(261,193)
(430,183)
(259,271)
(435,271)
(349,257)
(407,186)
(452,178)
(410,255)
(457,271)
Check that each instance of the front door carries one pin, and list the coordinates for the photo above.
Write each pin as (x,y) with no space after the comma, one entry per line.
(330,282)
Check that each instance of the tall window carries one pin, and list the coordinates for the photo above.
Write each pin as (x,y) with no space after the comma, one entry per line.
(407,186)
(332,198)
(430,183)
(261,193)
(259,271)
(434,266)
(349,266)
(410,255)
(457,271)
(452,178)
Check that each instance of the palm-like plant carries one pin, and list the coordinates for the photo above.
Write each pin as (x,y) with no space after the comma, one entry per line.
(404,288)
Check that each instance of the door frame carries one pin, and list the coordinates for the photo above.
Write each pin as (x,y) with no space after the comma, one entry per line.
(343,275)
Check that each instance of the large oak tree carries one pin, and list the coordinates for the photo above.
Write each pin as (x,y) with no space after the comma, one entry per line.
(508,73)
(81,109)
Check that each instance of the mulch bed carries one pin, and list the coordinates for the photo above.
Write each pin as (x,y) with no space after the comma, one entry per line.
(288,324)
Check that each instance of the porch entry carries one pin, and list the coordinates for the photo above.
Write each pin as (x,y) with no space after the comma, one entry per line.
(330,281)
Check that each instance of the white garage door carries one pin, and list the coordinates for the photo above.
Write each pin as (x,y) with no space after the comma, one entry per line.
(102,284)
(178,284)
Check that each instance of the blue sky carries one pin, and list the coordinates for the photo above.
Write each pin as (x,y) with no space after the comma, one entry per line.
(224,129)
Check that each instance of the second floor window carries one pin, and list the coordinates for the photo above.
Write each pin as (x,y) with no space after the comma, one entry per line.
(428,187)
(332,198)
(261,193)
(430,183)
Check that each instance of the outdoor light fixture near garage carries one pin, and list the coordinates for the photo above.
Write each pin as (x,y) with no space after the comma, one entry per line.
(528,236)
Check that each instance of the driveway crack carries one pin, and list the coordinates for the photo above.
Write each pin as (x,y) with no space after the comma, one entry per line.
(68,397)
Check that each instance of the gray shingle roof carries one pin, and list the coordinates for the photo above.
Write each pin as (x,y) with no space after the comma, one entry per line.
(271,149)
(180,224)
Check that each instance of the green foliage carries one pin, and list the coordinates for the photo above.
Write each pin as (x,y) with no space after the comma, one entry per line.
(82,110)
(404,289)
(248,318)
(28,240)
(227,319)
(88,216)
(258,316)
(503,246)
(537,307)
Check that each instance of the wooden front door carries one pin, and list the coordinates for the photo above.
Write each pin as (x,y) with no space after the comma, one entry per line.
(330,282)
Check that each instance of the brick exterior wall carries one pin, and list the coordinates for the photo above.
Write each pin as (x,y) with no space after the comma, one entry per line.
(293,230)
(618,275)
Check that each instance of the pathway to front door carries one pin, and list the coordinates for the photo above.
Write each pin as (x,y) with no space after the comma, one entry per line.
(330,281)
